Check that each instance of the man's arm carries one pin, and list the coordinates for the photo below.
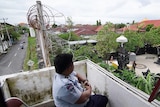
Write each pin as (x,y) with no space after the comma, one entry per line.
(81,78)
(85,94)
(88,89)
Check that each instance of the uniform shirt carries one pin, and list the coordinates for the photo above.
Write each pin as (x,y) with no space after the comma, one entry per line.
(67,90)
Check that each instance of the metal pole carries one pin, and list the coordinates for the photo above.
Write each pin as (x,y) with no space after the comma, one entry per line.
(43,36)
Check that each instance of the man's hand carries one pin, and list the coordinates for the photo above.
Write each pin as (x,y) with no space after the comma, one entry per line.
(86,83)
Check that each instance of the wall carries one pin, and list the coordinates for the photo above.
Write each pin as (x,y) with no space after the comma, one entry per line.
(120,94)
(35,87)
(32,87)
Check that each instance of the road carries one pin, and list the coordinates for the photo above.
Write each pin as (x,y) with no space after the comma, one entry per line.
(12,62)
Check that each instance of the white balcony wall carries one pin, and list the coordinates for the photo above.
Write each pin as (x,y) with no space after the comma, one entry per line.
(35,87)
(120,94)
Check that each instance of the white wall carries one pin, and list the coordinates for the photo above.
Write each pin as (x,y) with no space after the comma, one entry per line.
(32,32)
(35,87)
(120,94)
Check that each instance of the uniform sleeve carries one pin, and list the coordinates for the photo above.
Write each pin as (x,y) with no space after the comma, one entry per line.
(74,73)
(69,93)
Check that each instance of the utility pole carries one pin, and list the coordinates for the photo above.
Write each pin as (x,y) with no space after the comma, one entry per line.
(43,35)
(1,38)
(4,20)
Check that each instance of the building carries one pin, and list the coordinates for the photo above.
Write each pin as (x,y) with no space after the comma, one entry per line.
(4,43)
(140,26)
(86,31)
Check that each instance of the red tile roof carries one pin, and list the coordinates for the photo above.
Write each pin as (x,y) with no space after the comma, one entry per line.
(141,24)
(99,28)
(86,30)
(156,23)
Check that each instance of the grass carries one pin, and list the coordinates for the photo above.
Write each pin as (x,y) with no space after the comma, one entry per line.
(31,54)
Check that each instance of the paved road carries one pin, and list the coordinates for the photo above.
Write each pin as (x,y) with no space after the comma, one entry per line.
(12,62)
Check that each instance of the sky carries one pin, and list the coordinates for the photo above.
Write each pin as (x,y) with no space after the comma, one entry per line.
(82,11)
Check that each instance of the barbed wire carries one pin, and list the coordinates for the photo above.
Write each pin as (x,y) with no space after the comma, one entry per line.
(49,16)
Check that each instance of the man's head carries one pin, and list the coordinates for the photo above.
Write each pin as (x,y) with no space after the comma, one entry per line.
(62,62)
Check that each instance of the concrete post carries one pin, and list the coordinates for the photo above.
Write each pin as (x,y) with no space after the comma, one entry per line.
(43,36)
(10,43)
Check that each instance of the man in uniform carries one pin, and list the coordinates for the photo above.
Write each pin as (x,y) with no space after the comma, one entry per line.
(67,87)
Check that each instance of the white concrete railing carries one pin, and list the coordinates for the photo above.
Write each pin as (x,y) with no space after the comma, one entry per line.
(35,87)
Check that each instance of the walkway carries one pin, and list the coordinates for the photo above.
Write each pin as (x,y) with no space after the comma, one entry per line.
(145,62)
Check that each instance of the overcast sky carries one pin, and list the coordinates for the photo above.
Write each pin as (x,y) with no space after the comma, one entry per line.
(84,11)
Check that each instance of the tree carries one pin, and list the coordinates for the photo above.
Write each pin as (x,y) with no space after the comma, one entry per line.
(54,25)
(86,51)
(149,27)
(135,40)
(98,23)
(69,23)
(71,35)
(15,36)
(133,22)
(106,41)
(152,37)
(121,25)
(15,32)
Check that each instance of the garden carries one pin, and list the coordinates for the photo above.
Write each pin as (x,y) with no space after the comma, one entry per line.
(106,46)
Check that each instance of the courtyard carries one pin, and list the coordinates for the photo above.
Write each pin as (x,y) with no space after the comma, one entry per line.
(145,62)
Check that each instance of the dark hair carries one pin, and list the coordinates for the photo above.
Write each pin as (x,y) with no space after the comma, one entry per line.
(62,62)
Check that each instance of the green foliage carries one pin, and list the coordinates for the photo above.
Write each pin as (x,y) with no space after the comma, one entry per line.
(140,82)
(146,84)
(22,30)
(118,26)
(70,36)
(54,25)
(106,66)
(149,27)
(98,23)
(86,52)
(134,40)
(106,43)
(107,40)
(31,54)
(69,23)
(152,37)
(12,33)
(15,35)
(126,75)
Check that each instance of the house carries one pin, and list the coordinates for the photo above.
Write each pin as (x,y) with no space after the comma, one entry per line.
(140,26)
(86,31)
(99,28)
(4,44)
(23,24)
(144,23)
